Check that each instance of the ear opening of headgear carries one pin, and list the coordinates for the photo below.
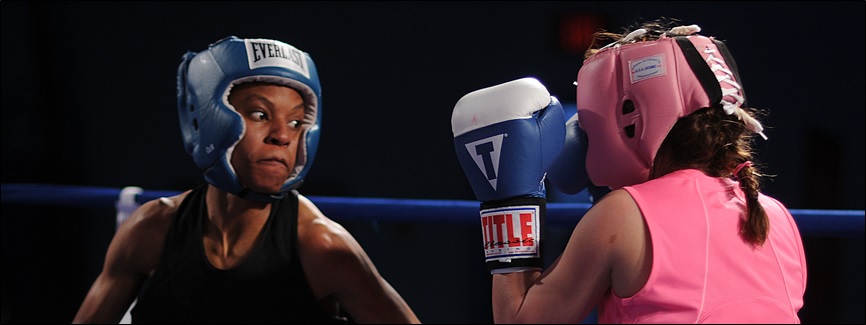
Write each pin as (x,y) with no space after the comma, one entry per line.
(630,93)
(210,125)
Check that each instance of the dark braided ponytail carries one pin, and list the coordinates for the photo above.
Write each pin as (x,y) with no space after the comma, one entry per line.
(719,145)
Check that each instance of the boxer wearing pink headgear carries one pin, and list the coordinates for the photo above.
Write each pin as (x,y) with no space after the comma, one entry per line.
(685,236)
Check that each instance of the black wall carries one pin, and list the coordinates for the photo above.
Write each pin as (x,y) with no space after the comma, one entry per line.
(88,98)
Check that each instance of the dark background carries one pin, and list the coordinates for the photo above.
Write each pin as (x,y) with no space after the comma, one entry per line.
(88,98)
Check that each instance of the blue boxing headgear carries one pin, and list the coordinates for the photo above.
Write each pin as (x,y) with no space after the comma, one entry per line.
(210,125)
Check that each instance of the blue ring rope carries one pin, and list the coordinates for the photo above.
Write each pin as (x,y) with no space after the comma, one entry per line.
(833,223)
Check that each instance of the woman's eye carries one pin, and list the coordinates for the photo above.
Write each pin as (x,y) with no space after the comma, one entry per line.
(296,124)
(259,116)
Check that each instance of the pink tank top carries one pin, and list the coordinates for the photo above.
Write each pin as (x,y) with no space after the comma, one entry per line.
(703,271)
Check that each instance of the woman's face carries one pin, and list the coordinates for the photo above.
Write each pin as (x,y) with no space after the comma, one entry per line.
(273,118)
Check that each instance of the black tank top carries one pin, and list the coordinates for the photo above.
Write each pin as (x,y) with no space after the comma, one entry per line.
(269,286)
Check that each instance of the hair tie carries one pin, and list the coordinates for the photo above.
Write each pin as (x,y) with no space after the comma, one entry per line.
(736,172)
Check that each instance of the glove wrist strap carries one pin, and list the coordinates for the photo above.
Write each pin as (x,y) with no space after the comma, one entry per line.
(511,229)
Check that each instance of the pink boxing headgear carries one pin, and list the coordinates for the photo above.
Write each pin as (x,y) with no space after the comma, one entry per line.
(630,95)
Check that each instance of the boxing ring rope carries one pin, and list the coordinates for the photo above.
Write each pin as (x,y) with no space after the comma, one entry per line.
(812,222)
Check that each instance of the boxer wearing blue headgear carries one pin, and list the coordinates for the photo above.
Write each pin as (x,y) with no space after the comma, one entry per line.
(212,127)
(245,246)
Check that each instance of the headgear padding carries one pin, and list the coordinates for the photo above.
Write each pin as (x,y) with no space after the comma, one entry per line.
(211,127)
(629,97)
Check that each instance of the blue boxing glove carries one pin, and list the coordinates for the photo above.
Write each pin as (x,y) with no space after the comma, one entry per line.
(506,137)
(568,173)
